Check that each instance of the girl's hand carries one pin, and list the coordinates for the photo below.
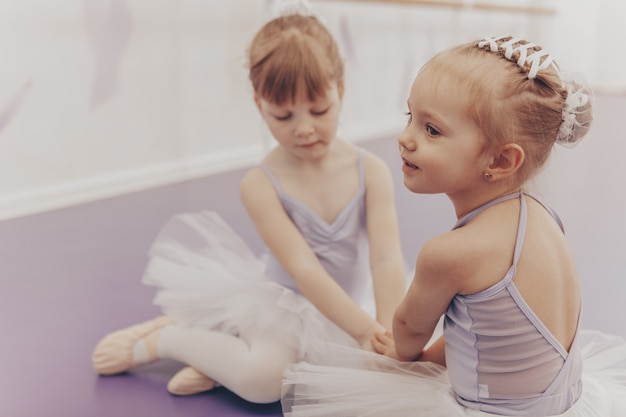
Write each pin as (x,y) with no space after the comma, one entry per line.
(366,340)
(384,344)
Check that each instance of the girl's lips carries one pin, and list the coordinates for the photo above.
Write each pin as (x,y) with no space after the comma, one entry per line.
(408,164)
(308,145)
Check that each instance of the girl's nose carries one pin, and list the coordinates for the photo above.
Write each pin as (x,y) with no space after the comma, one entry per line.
(406,142)
(304,129)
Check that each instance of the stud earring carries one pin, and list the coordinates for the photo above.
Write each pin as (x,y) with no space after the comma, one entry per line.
(488,175)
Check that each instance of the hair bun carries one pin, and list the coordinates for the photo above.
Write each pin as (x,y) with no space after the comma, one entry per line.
(577,112)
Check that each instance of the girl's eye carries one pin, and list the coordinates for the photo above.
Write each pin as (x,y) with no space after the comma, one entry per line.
(409,117)
(283,118)
(319,113)
(432,131)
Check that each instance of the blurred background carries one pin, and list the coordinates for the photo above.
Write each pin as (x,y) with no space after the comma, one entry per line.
(104,97)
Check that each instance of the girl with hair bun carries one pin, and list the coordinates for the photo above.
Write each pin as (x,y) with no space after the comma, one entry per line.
(483,119)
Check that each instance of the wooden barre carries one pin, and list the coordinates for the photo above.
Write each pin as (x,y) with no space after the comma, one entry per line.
(463,5)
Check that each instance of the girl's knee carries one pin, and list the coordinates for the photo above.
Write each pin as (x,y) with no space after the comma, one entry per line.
(261,388)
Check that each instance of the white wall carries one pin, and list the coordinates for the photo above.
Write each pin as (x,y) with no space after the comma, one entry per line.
(120,95)
(103,97)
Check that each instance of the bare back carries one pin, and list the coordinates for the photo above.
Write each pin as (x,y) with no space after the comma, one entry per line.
(508,338)
(546,275)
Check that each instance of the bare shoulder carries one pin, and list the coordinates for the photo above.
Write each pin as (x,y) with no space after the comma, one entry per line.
(440,256)
(256,176)
(454,259)
(254,187)
(376,170)
(252,178)
(373,162)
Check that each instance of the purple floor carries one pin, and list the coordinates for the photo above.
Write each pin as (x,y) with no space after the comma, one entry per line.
(69,277)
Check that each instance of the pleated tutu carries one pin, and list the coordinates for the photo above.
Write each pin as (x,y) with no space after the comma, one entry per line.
(356,383)
(207,277)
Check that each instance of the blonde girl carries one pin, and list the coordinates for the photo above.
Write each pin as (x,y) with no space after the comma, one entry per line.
(483,120)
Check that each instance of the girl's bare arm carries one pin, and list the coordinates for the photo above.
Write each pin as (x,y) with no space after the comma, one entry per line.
(386,260)
(298,259)
(433,287)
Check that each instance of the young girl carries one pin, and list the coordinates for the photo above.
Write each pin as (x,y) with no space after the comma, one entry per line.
(325,209)
(483,119)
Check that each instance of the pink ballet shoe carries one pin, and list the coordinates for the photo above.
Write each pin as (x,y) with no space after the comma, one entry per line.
(114,353)
(188,381)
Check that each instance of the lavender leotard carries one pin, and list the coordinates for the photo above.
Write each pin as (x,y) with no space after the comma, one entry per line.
(501,358)
(341,246)
(207,277)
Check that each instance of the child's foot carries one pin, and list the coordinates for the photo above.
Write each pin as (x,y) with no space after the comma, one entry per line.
(188,381)
(114,353)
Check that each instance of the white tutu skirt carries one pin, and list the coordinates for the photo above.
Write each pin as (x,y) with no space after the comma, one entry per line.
(356,383)
(207,277)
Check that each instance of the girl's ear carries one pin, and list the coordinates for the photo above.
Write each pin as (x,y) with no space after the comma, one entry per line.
(506,161)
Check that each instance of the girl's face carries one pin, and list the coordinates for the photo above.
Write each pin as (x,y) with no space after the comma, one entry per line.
(304,128)
(441,147)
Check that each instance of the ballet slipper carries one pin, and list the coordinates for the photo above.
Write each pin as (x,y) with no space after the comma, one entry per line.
(114,353)
(188,381)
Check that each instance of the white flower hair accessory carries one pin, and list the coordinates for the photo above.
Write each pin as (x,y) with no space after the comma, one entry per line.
(579,94)
(287,7)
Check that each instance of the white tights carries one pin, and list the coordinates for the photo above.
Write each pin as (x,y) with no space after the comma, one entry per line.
(252,368)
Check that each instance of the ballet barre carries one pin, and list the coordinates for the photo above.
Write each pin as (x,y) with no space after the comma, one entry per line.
(475,5)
